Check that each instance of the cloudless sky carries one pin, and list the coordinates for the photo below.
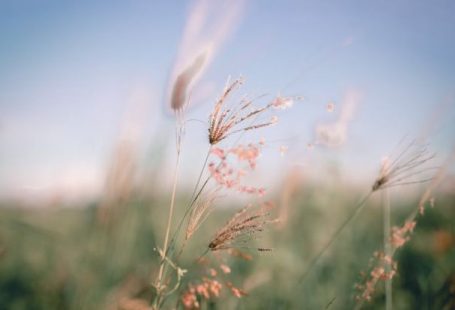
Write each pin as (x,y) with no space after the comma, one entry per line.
(71,70)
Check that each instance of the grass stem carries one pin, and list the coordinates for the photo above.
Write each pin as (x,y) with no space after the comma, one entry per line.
(387,247)
(158,283)
(360,205)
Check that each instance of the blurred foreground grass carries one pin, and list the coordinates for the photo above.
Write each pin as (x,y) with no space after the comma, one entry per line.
(67,258)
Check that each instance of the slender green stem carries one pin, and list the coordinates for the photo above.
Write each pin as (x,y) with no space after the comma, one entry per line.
(360,205)
(158,283)
(169,250)
(387,248)
(193,200)
(201,173)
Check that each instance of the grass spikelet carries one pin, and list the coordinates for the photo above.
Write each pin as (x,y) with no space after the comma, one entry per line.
(199,214)
(242,227)
(225,121)
(183,81)
(404,169)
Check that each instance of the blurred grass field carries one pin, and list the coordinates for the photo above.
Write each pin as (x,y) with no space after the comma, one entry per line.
(67,258)
(90,164)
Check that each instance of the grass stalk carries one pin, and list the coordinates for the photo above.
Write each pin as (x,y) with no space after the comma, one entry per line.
(194,196)
(359,207)
(387,247)
(159,280)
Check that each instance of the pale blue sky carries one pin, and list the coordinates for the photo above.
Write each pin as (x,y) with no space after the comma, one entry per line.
(68,70)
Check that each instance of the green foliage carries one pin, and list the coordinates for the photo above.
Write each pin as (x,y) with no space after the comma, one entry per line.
(67,259)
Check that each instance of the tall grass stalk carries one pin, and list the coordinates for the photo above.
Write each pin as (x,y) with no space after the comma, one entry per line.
(397,237)
(159,280)
(194,196)
(387,247)
(399,171)
(217,132)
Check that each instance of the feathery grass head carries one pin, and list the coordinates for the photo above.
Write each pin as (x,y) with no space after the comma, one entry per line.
(404,169)
(202,209)
(183,81)
(242,227)
(225,121)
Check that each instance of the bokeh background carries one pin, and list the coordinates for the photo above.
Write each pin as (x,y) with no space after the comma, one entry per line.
(86,126)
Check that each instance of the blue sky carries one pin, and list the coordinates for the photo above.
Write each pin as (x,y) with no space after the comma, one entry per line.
(70,71)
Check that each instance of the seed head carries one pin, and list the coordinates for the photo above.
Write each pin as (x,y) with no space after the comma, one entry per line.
(404,168)
(203,208)
(242,227)
(225,121)
(183,81)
